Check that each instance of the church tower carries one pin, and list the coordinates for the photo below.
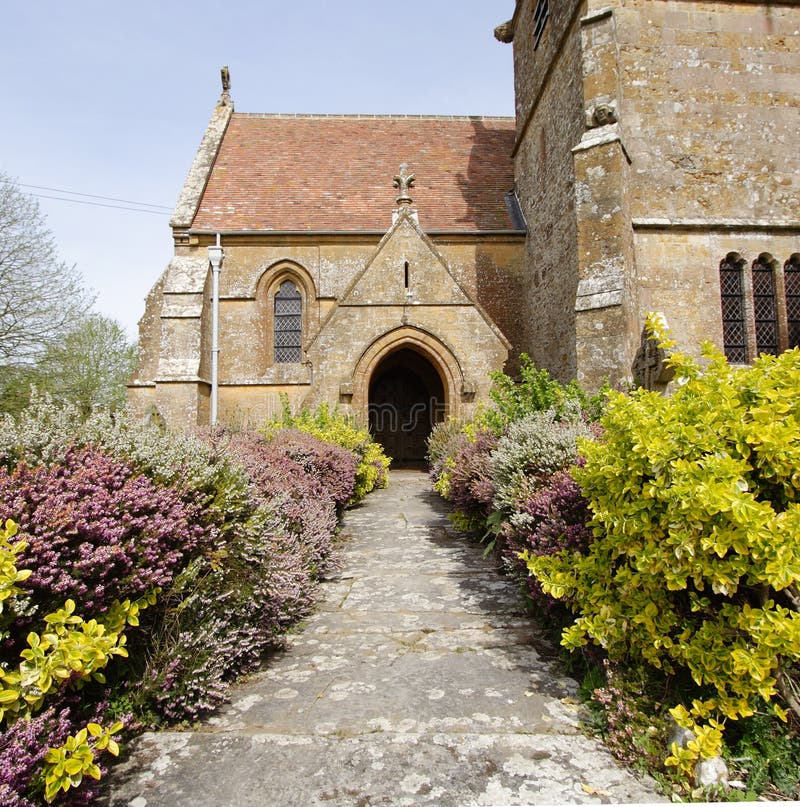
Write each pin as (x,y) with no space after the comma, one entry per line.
(657,164)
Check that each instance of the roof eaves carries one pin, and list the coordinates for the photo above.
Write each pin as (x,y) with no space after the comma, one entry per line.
(380,233)
(370,116)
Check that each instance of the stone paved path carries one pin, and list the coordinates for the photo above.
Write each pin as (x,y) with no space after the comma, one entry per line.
(418,681)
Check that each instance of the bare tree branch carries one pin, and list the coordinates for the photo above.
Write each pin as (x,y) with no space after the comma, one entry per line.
(788,689)
(41,298)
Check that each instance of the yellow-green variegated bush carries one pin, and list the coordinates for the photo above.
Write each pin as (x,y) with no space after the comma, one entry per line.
(334,426)
(695,560)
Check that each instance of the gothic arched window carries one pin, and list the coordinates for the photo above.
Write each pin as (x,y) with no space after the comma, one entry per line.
(764,308)
(791,277)
(288,324)
(734,333)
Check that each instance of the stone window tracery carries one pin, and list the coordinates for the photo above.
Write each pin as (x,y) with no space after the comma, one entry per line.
(791,276)
(288,324)
(734,332)
(760,306)
(764,308)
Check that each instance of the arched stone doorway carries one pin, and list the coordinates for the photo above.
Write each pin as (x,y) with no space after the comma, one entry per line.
(406,399)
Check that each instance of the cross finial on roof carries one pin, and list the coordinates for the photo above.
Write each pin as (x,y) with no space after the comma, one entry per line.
(404,182)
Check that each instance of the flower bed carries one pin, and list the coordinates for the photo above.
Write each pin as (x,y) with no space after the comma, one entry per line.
(162,565)
(664,543)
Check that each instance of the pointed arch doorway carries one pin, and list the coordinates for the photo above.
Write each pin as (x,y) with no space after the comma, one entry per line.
(406,399)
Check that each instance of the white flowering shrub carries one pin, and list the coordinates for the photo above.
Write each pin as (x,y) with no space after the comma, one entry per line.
(533,449)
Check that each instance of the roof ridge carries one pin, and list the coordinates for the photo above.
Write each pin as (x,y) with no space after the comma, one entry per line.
(367,116)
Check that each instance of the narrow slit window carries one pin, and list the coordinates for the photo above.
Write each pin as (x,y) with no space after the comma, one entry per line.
(288,324)
(734,334)
(540,15)
(791,275)
(766,318)
(406,274)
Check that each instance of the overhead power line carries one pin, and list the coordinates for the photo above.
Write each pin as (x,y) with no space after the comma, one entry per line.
(94,196)
(140,207)
(101,204)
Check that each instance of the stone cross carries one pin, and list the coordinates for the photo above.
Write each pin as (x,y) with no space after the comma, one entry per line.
(649,368)
(404,182)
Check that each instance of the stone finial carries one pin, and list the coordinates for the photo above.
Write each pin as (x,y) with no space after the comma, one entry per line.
(225,75)
(404,182)
(505,32)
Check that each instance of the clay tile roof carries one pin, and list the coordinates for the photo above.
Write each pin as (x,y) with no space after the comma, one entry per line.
(334,173)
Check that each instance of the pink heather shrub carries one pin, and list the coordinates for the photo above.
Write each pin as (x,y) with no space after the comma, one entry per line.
(191,463)
(471,489)
(531,451)
(305,505)
(97,530)
(551,519)
(24,743)
(265,582)
(334,467)
(234,529)
(446,440)
(246,603)
(22,749)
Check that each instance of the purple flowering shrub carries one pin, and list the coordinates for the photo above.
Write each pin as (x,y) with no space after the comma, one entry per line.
(265,581)
(97,530)
(234,529)
(307,508)
(22,748)
(246,601)
(198,467)
(446,439)
(508,472)
(469,484)
(334,467)
(552,518)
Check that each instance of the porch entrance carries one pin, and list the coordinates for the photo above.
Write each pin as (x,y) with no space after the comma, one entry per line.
(406,399)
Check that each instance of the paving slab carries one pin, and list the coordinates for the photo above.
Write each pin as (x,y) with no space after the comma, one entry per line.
(419,680)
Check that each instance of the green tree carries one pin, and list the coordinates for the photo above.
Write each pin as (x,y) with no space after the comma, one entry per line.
(90,365)
(48,336)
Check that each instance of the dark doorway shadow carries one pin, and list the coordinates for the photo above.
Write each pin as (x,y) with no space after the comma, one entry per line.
(406,399)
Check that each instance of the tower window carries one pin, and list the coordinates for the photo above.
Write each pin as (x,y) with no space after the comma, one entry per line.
(766,319)
(760,306)
(288,324)
(791,276)
(540,15)
(734,334)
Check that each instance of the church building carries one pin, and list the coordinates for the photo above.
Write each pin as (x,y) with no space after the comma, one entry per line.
(387,264)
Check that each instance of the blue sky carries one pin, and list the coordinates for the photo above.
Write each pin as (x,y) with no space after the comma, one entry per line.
(111,99)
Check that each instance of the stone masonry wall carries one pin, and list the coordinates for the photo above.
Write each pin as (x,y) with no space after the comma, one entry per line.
(711,108)
(704,109)
(175,330)
(549,91)
(710,116)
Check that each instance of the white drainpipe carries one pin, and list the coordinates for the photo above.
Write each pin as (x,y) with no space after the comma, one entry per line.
(215,255)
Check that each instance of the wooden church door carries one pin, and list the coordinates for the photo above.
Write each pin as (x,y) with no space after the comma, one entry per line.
(405,400)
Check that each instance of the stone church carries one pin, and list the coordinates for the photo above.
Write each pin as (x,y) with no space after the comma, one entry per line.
(388,263)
